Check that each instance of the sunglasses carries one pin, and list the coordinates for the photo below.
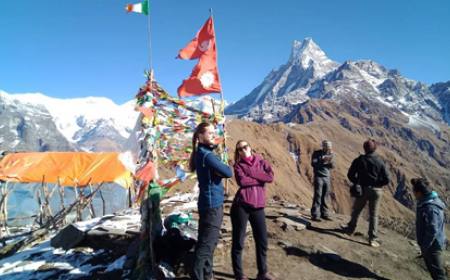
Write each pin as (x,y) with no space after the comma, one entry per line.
(240,149)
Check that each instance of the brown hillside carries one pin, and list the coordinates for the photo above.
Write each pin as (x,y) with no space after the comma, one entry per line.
(409,152)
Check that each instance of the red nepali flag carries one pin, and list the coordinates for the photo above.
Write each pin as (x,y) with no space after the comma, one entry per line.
(204,78)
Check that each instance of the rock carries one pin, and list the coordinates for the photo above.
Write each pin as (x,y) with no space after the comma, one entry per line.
(226,239)
(226,226)
(289,212)
(287,224)
(276,198)
(413,243)
(82,250)
(228,200)
(68,237)
(51,266)
(327,253)
(390,255)
(284,244)
(272,213)
(289,205)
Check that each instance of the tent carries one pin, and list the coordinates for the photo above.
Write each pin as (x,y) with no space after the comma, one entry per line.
(60,178)
(65,168)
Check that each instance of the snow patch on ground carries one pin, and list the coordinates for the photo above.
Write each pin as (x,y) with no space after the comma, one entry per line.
(294,156)
(423,121)
(189,201)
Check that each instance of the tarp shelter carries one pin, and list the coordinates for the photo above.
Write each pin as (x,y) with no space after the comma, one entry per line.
(65,168)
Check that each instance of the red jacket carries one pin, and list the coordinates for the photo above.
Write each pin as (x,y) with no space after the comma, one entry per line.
(251,175)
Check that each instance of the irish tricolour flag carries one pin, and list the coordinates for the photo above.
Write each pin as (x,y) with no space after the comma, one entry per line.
(141,8)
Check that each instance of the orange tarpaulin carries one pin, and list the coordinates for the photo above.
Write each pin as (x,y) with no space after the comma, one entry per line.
(65,168)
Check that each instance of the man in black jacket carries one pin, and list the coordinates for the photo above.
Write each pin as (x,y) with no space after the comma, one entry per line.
(368,171)
(322,162)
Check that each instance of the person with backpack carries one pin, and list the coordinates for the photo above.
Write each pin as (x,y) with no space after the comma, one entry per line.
(252,172)
(210,172)
(430,227)
(322,162)
(370,173)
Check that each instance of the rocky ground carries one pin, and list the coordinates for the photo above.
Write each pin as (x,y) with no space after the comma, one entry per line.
(322,251)
(298,249)
(301,249)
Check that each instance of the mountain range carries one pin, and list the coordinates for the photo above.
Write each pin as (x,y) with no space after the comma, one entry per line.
(310,75)
(35,122)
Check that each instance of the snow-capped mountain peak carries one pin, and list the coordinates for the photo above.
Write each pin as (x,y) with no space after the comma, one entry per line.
(307,53)
(79,118)
(288,83)
(310,74)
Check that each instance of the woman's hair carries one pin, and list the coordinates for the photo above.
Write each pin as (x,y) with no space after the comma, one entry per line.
(237,157)
(200,129)
(370,146)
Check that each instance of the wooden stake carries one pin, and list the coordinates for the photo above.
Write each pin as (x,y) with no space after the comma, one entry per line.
(103,203)
(77,198)
(40,219)
(91,207)
(4,208)
(129,197)
(61,197)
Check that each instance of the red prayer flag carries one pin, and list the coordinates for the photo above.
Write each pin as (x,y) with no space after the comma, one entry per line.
(148,112)
(204,78)
(146,173)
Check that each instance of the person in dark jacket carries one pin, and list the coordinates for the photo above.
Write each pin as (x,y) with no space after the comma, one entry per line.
(430,225)
(368,171)
(210,172)
(322,162)
(252,172)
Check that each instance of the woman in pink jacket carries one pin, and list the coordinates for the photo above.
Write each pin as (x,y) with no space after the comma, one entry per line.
(252,173)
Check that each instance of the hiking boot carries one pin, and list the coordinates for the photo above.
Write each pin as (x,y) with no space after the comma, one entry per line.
(327,218)
(347,230)
(265,276)
(374,243)
(315,219)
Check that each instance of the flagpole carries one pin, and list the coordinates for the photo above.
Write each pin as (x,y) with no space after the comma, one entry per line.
(217,63)
(149,38)
(222,102)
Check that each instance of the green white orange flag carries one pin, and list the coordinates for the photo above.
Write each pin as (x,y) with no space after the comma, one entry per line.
(142,8)
(204,78)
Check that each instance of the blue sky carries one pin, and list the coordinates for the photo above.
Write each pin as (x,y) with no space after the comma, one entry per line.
(83,48)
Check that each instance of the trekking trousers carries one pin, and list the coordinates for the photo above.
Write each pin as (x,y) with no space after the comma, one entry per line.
(433,261)
(240,214)
(373,196)
(322,187)
(209,225)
